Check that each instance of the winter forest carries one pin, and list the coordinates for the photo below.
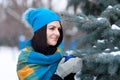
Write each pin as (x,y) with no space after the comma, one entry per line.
(91,32)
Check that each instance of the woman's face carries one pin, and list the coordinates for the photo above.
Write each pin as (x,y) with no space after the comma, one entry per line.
(53,33)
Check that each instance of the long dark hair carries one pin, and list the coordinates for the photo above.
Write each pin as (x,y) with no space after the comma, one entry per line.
(39,41)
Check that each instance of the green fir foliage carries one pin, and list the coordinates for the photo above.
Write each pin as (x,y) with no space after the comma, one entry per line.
(98,43)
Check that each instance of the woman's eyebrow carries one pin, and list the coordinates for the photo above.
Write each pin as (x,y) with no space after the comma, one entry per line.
(54,26)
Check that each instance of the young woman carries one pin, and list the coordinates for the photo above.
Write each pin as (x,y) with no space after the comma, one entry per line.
(42,59)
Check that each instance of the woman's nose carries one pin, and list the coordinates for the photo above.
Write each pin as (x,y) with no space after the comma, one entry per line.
(57,32)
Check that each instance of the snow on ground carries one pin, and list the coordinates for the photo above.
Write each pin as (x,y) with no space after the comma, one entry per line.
(8,60)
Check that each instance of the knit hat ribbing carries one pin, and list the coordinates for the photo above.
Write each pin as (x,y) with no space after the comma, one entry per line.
(37,18)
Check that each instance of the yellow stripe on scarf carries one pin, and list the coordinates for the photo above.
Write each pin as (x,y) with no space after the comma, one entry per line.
(26,71)
(25,49)
(58,49)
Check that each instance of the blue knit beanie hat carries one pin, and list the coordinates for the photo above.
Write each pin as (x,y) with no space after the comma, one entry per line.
(37,18)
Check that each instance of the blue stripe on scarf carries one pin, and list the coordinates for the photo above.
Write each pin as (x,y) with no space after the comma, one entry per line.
(48,64)
(38,58)
(45,73)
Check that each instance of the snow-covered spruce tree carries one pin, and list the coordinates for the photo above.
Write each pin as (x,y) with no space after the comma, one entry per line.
(99,47)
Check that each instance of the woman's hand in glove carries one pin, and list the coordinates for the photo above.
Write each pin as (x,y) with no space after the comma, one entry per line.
(73,65)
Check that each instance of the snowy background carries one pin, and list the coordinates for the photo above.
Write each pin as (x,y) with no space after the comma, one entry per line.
(8,60)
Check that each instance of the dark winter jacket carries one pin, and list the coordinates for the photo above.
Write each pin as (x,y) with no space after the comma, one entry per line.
(69,77)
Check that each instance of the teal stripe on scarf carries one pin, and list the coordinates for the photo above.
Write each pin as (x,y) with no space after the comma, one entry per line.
(38,58)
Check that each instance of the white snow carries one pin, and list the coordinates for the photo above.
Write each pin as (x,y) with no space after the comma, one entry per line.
(115,53)
(100,18)
(0,1)
(115,27)
(111,53)
(107,49)
(100,41)
(110,7)
(8,61)
(69,52)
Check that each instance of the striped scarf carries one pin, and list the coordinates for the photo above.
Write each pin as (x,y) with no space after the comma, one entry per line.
(36,66)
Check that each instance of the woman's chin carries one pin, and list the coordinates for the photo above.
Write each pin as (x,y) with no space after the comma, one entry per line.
(53,44)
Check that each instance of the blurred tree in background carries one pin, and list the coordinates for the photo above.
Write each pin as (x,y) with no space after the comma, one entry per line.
(11,25)
(10,21)
(99,43)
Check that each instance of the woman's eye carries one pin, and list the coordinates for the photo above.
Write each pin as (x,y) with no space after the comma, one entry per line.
(51,28)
